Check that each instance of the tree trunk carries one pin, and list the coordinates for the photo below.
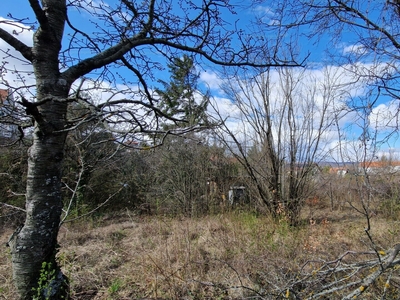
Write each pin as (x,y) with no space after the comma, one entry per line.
(34,247)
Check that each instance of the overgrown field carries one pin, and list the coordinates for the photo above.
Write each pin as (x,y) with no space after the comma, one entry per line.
(235,255)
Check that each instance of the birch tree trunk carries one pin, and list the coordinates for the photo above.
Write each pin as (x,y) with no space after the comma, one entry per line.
(33,248)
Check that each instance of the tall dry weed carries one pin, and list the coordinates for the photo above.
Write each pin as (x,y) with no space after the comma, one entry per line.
(229,256)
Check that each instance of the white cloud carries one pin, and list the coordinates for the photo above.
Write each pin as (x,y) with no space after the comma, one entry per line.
(211,79)
(385,116)
(22,32)
(15,70)
(265,10)
(319,92)
(267,15)
(225,108)
(357,49)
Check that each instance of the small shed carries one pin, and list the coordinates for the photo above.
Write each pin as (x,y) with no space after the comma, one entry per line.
(237,195)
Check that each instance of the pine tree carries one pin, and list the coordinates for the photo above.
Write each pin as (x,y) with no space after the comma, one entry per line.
(180,96)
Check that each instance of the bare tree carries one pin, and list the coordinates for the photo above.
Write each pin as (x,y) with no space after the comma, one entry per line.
(92,168)
(123,35)
(285,118)
(362,38)
(180,175)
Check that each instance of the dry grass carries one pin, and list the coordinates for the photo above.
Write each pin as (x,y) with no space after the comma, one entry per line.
(229,256)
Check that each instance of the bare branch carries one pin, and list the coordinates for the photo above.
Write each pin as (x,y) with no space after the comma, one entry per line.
(370,25)
(17,44)
(97,208)
(13,207)
(40,15)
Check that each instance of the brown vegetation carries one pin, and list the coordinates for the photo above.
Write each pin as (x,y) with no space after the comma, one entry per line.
(236,255)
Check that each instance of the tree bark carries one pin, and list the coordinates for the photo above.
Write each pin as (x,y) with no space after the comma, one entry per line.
(33,248)
(36,242)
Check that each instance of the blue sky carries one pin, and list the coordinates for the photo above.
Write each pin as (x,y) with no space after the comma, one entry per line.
(211,77)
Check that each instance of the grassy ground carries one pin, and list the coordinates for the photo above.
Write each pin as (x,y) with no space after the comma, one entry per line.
(229,256)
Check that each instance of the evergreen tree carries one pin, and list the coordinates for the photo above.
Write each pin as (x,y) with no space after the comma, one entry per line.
(180,96)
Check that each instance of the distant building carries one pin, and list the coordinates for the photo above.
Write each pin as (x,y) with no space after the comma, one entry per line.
(380,167)
(339,171)
(364,168)
(237,195)
(3,95)
(8,128)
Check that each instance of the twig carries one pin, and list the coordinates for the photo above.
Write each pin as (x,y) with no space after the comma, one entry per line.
(98,207)
(12,206)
